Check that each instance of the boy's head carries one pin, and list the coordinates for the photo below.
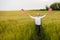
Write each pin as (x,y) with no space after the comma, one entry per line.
(38,14)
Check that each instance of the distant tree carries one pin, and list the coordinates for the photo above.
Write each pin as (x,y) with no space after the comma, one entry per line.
(55,6)
(46,7)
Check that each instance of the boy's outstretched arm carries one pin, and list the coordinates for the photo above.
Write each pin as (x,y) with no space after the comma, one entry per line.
(44,15)
(30,16)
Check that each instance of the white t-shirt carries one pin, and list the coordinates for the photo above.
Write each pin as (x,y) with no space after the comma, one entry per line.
(37,19)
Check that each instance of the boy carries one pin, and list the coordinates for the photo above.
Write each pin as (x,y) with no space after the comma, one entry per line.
(37,21)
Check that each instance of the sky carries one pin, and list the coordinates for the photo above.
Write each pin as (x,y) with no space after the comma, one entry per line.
(25,4)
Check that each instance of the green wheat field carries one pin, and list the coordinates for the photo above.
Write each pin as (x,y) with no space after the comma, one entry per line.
(17,26)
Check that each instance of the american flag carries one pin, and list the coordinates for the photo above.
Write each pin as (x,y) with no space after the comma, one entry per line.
(49,9)
(22,11)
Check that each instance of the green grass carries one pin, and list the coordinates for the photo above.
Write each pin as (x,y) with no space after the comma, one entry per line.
(17,26)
